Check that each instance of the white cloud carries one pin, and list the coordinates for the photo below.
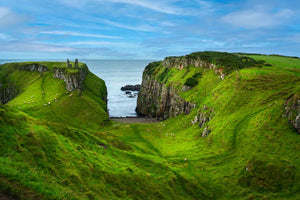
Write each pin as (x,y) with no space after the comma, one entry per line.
(145,28)
(153,5)
(9,18)
(101,43)
(39,47)
(5,37)
(79,34)
(252,19)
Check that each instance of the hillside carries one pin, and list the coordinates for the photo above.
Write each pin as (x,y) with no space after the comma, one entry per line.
(54,92)
(233,119)
(230,132)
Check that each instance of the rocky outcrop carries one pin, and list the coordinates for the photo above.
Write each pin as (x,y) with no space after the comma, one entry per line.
(160,101)
(183,61)
(73,81)
(33,67)
(292,111)
(202,118)
(8,92)
(131,87)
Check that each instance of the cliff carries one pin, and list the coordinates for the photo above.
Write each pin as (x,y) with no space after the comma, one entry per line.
(11,85)
(158,100)
(8,92)
(163,89)
(73,80)
(53,91)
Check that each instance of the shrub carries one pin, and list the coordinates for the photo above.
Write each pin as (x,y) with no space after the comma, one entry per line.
(197,75)
(151,67)
(162,76)
(228,61)
(191,82)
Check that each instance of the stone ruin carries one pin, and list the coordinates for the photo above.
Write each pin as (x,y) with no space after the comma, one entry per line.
(69,65)
(76,63)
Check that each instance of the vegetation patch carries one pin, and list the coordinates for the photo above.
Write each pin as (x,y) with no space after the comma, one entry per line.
(228,61)
(191,82)
(151,67)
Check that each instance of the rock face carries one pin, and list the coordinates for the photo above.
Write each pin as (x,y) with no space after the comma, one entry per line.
(292,111)
(8,92)
(183,61)
(202,118)
(33,67)
(155,99)
(131,87)
(160,101)
(73,80)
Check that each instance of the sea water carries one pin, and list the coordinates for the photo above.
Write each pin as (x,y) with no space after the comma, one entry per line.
(115,73)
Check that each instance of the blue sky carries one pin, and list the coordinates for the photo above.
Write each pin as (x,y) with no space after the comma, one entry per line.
(146,29)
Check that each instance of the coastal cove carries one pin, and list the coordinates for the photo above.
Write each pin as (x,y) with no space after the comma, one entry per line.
(216,125)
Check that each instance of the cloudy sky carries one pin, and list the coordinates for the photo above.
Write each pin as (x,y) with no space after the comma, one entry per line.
(146,29)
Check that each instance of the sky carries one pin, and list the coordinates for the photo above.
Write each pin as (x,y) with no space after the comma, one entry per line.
(146,29)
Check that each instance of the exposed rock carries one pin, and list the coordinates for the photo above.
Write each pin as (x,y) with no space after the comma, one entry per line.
(158,100)
(292,111)
(202,118)
(8,92)
(185,88)
(73,80)
(33,67)
(184,61)
(205,132)
(131,87)
(204,115)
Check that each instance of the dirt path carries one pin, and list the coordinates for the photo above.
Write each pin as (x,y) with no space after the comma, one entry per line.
(131,120)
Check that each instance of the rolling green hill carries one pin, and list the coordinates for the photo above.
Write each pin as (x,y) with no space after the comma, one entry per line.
(237,143)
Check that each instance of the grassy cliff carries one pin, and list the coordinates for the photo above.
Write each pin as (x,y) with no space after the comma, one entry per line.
(42,96)
(66,150)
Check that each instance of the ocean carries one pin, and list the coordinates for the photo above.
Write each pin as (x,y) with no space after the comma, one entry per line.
(115,73)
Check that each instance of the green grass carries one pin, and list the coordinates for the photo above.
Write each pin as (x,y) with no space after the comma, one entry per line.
(64,151)
(46,98)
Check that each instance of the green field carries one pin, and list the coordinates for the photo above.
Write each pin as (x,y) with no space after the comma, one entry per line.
(71,150)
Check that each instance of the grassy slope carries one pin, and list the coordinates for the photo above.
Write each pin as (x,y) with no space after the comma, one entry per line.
(247,128)
(166,160)
(39,91)
(60,151)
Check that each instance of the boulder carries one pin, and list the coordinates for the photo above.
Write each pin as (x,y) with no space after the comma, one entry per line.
(131,87)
